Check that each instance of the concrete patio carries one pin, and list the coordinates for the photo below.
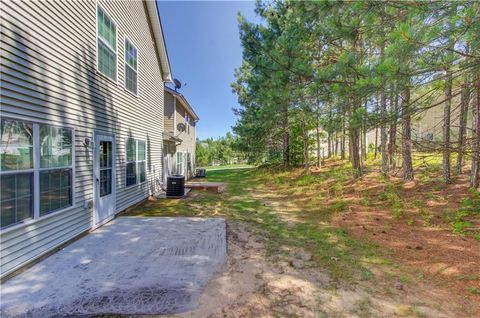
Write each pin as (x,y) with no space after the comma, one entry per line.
(129,266)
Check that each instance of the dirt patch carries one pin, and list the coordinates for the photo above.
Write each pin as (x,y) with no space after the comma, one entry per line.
(253,284)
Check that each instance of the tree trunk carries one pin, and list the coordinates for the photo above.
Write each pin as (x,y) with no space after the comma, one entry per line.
(375,151)
(329,142)
(355,145)
(383,117)
(306,163)
(464,102)
(286,138)
(336,143)
(383,133)
(407,165)
(318,141)
(446,128)
(363,141)
(393,128)
(475,175)
(342,148)
(355,156)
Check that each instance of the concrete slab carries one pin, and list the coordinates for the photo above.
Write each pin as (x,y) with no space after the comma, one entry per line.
(217,187)
(130,266)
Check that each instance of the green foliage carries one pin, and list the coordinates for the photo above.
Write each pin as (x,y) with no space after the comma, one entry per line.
(329,64)
(218,152)
(470,206)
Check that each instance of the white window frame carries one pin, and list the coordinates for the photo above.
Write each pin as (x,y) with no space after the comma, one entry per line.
(36,174)
(179,171)
(188,161)
(126,65)
(97,36)
(137,161)
(187,123)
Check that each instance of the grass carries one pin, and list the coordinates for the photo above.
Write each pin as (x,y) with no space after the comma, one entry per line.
(470,207)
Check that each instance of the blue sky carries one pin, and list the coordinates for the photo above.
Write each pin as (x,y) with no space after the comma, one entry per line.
(204,49)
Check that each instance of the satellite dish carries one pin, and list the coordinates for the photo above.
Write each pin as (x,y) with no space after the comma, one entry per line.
(178,84)
(181,127)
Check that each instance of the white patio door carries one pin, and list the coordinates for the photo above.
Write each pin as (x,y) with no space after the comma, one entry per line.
(104,179)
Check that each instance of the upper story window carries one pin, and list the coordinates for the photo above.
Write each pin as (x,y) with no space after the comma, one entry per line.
(35,161)
(187,123)
(106,45)
(131,67)
(136,168)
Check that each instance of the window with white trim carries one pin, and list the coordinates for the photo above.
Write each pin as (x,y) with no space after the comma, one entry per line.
(55,168)
(189,163)
(106,45)
(31,152)
(131,65)
(179,163)
(187,123)
(136,167)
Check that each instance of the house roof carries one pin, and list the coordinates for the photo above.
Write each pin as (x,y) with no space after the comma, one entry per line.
(156,24)
(184,101)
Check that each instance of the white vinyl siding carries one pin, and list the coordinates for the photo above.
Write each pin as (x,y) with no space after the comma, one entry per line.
(49,76)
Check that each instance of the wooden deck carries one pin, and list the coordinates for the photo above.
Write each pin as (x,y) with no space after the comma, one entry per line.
(217,187)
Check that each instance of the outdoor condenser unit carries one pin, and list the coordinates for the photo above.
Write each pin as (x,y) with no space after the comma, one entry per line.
(175,186)
(200,173)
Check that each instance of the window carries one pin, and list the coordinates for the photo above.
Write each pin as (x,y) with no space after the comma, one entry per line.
(105,167)
(136,168)
(16,171)
(106,45)
(189,163)
(187,123)
(179,163)
(131,64)
(53,157)
(55,169)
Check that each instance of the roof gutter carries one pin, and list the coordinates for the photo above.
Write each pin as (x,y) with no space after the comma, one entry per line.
(152,10)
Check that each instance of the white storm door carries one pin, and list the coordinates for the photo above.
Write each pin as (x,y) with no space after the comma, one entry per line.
(104,179)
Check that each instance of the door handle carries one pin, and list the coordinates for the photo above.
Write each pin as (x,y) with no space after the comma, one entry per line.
(98,181)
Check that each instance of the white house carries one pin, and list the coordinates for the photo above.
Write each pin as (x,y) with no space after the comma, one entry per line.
(82,86)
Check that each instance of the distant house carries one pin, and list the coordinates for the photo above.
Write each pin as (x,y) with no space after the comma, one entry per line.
(426,129)
(82,101)
(179,137)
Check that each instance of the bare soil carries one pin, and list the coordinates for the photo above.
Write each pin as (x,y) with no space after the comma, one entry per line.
(424,242)
(254,284)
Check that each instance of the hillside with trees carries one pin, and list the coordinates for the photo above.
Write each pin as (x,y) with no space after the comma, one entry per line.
(334,71)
